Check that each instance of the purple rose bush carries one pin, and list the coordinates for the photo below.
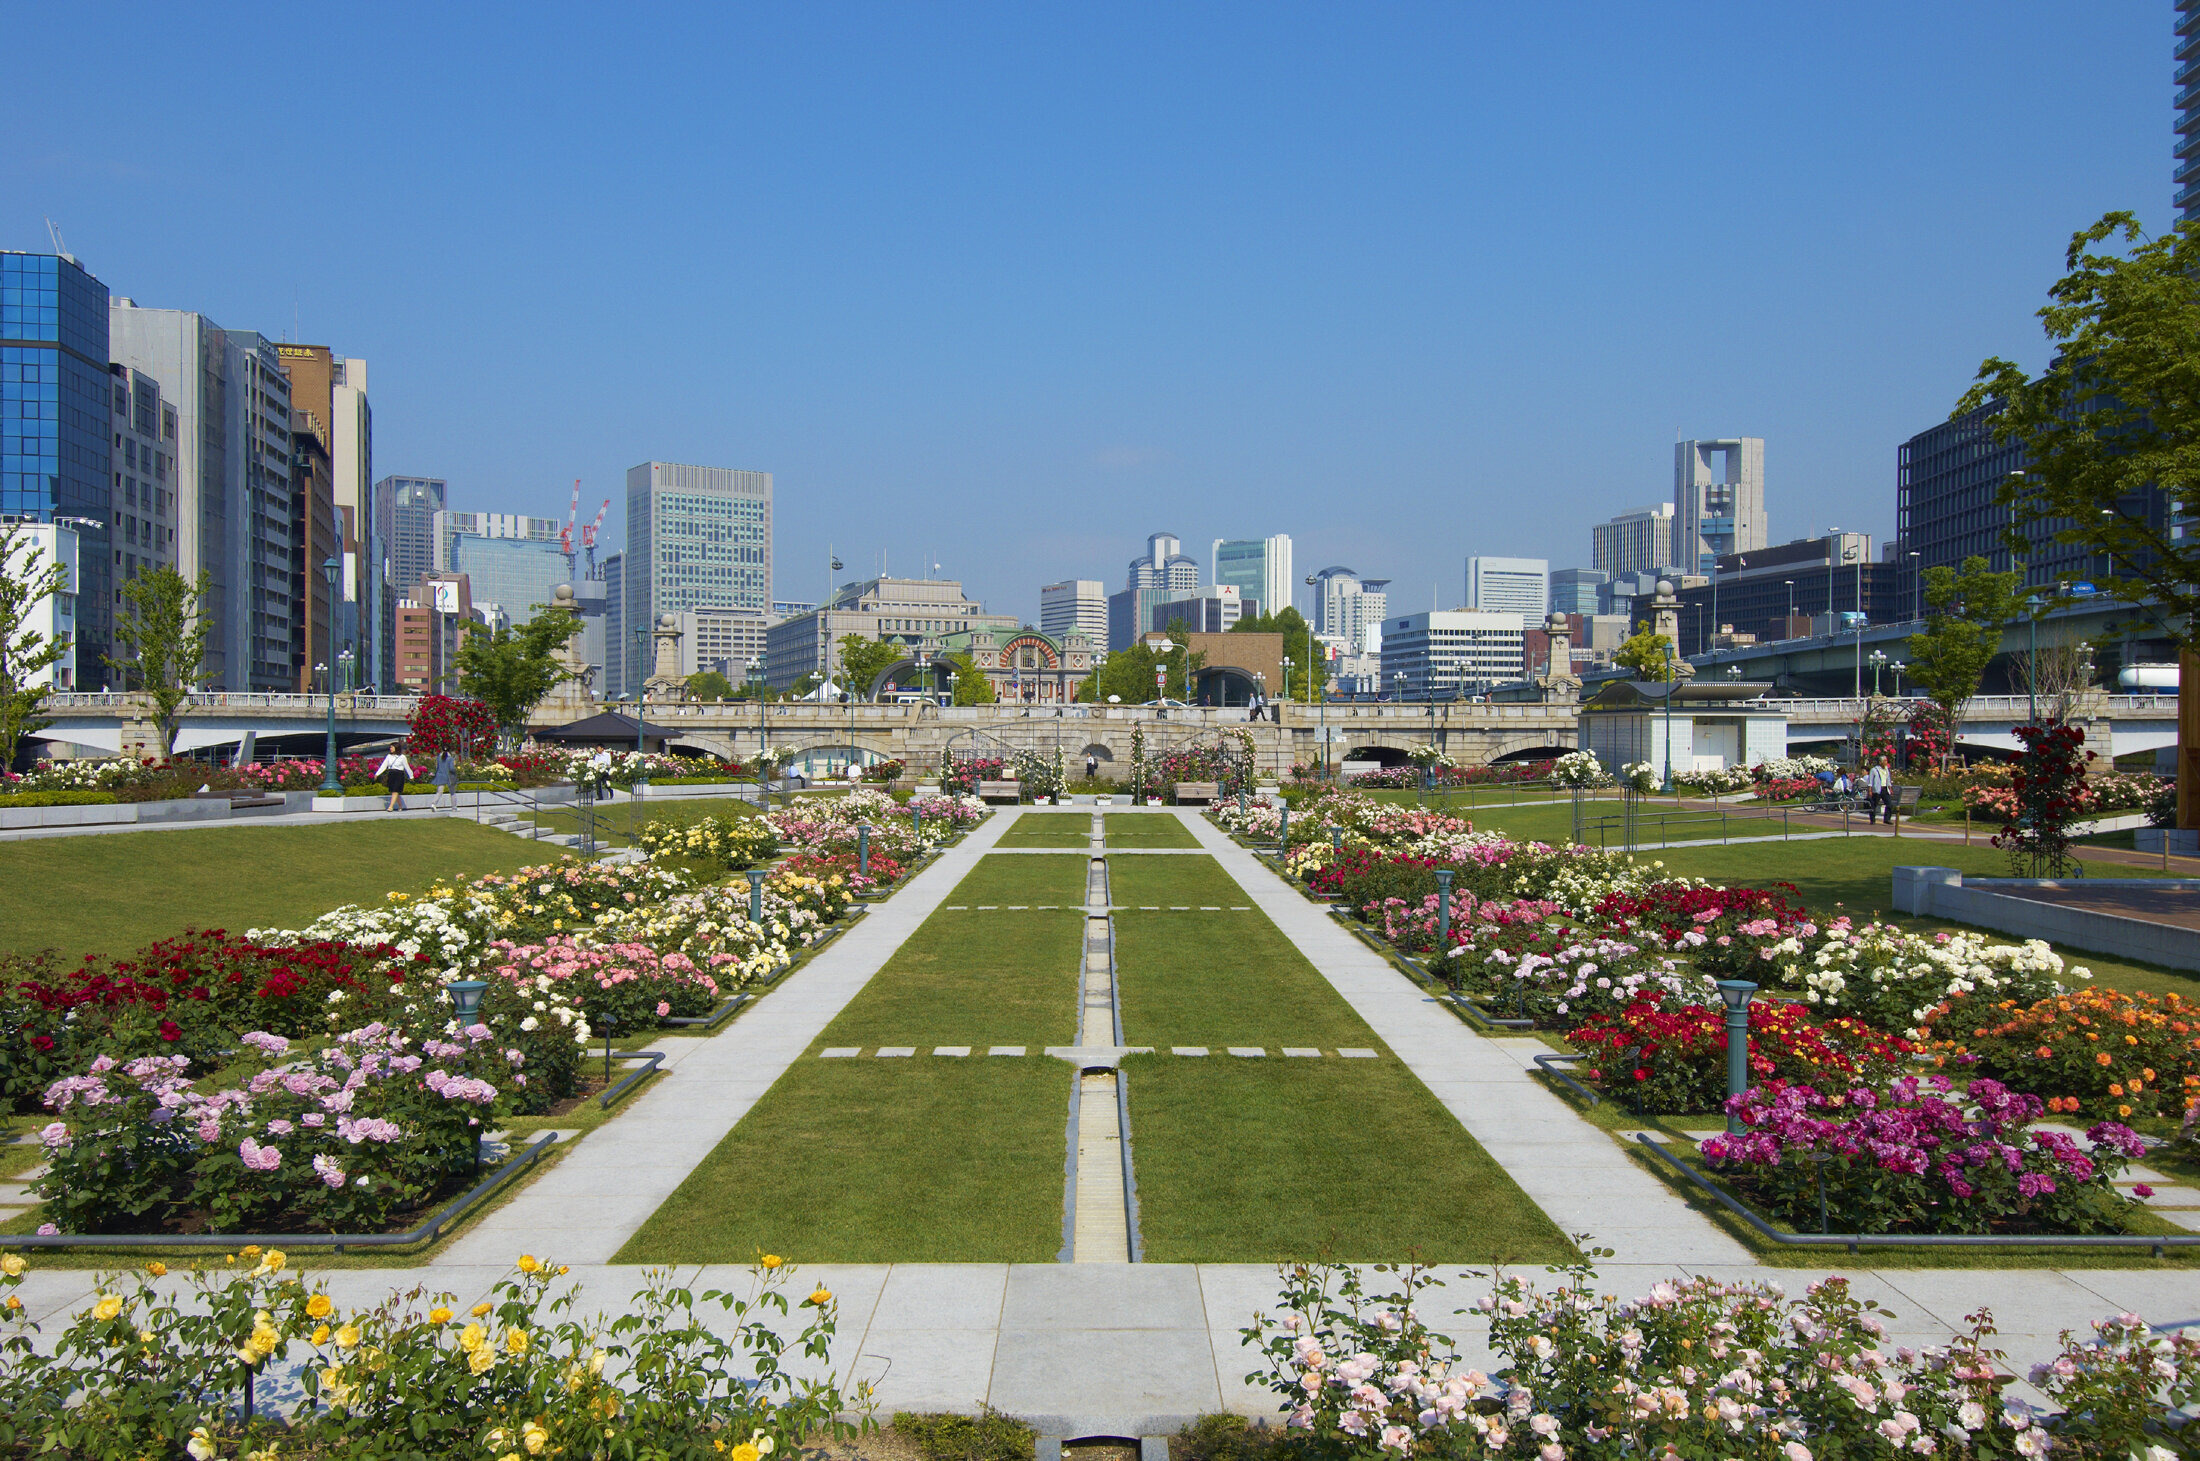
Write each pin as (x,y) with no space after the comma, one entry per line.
(1698,1370)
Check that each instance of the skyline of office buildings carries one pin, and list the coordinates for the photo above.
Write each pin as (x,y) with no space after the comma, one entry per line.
(1510,585)
(696,538)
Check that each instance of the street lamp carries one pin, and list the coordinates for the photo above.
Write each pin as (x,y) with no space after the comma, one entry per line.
(1734,994)
(1879,658)
(1671,684)
(330,784)
(756,669)
(1788,631)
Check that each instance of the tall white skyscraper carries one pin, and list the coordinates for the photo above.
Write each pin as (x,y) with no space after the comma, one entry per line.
(1634,542)
(1510,586)
(1075,605)
(1259,568)
(1718,499)
(696,538)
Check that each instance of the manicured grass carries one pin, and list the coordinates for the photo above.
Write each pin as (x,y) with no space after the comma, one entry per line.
(1048,829)
(113,894)
(919,1160)
(1169,882)
(969,978)
(1147,829)
(1255,1161)
(1029,880)
(1221,979)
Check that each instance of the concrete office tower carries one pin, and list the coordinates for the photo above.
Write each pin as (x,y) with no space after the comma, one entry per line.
(54,441)
(315,538)
(1259,569)
(400,552)
(1634,542)
(1162,570)
(1510,586)
(1075,604)
(232,482)
(332,389)
(725,640)
(142,446)
(1349,610)
(1454,652)
(1718,499)
(696,537)
(1574,590)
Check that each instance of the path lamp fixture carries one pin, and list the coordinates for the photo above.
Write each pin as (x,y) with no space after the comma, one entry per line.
(756,679)
(1336,840)
(466,1001)
(950,700)
(1879,660)
(756,896)
(1734,994)
(863,849)
(1283,832)
(1443,908)
(330,784)
(2032,661)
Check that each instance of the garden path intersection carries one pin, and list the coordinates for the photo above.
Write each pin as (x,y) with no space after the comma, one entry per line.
(1091,1347)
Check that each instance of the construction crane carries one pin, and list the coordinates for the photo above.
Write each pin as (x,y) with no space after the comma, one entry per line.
(588,535)
(565,538)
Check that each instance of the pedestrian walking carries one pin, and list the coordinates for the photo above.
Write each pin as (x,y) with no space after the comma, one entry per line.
(393,773)
(446,777)
(1878,793)
(1092,767)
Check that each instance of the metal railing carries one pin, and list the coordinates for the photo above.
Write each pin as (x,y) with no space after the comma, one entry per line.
(274,702)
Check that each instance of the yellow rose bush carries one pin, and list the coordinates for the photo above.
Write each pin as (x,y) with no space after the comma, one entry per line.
(149,1368)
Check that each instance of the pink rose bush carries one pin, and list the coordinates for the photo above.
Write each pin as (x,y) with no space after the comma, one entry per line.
(620,986)
(1697,1369)
(343,1139)
(1921,1158)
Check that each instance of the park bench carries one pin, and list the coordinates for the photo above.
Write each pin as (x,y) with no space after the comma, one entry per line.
(1000,791)
(1197,791)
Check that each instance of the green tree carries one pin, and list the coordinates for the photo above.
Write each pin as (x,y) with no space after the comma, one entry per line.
(709,685)
(1965,610)
(1648,653)
(25,653)
(2117,410)
(161,627)
(510,669)
(1297,652)
(1129,673)
(862,661)
(972,685)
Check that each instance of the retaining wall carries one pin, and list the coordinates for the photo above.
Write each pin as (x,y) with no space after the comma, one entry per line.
(1943,892)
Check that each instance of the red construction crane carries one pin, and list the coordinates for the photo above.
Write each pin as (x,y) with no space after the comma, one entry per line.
(565,538)
(588,535)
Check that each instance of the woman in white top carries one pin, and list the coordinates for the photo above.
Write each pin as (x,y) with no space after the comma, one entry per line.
(393,773)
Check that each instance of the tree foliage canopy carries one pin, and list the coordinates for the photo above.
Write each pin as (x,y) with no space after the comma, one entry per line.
(863,660)
(1129,673)
(165,635)
(709,685)
(510,669)
(972,685)
(1648,653)
(1297,652)
(25,653)
(2115,412)
(1965,611)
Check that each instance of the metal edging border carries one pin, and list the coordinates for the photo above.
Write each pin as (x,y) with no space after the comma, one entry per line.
(1130,1180)
(715,1018)
(425,1232)
(1069,1167)
(1546,1063)
(1854,1241)
(655,1058)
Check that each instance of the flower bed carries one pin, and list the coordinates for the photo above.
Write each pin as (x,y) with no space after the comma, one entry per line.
(617,986)
(732,843)
(1660,1057)
(153,1368)
(2094,1050)
(1696,1368)
(1921,1160)
(1728,933)
(1895,980)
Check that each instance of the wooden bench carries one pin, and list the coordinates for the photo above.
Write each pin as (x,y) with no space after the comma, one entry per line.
(1208,792)
(1000,791)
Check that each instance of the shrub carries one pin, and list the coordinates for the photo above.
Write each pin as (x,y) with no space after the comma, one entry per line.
(733,843)
(1696,1368)
(1918,1160)
(986,1436)
(59,799)
(1658,1059)
(459,724)
(2096,1050)
(619,986)
(1728,933)
(1225,1437)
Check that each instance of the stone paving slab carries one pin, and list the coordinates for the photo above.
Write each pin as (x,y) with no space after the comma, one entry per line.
(600,1192)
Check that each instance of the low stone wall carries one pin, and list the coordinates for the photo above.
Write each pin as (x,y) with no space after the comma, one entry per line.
(114,814)
(1943,892)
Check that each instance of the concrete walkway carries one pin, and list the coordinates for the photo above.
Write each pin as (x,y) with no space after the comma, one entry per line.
(598,1195)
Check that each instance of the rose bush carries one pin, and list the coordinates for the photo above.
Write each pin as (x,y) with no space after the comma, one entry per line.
(2098,1050)
(732,843)
(1660,1056)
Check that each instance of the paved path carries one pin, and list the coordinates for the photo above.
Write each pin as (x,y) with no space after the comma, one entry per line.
(585,1208)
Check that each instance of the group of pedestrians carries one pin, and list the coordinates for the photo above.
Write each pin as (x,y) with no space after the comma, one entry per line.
(1876,786)
(397,769)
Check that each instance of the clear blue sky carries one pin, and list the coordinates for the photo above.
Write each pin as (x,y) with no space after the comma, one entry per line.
(1009,287)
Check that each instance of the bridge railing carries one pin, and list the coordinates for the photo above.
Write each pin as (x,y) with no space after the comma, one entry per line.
(1982,707)
(273,702)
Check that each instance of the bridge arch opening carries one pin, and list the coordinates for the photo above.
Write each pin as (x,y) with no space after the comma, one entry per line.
(1531,753)
(830,762)
(1223,685)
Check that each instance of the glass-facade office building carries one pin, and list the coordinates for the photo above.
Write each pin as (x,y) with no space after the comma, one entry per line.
(54,456)
(515,574)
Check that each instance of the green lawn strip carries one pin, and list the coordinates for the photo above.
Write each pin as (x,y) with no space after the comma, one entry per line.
(922,1160)
(1221,979)
(1683,1132)
(617,822)
(112,894)
(1147,830)
(1048,829)
(1256,1161)
(1026,879)
(1172,882)
(969,978)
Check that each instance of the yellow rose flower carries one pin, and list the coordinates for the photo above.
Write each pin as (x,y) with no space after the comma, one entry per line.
(745,1452)
(481,1359)
(347,1336)
(107,1308)
(319,1307)
(439,1315)
(529,1263)
(13,1265)
(515,1340)
(273,1262)
(480,1309)
(320,1334)
(472,1337)
(155,1268)
(534,1438)
(771,1260)
(14,1304)
(821,1295)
